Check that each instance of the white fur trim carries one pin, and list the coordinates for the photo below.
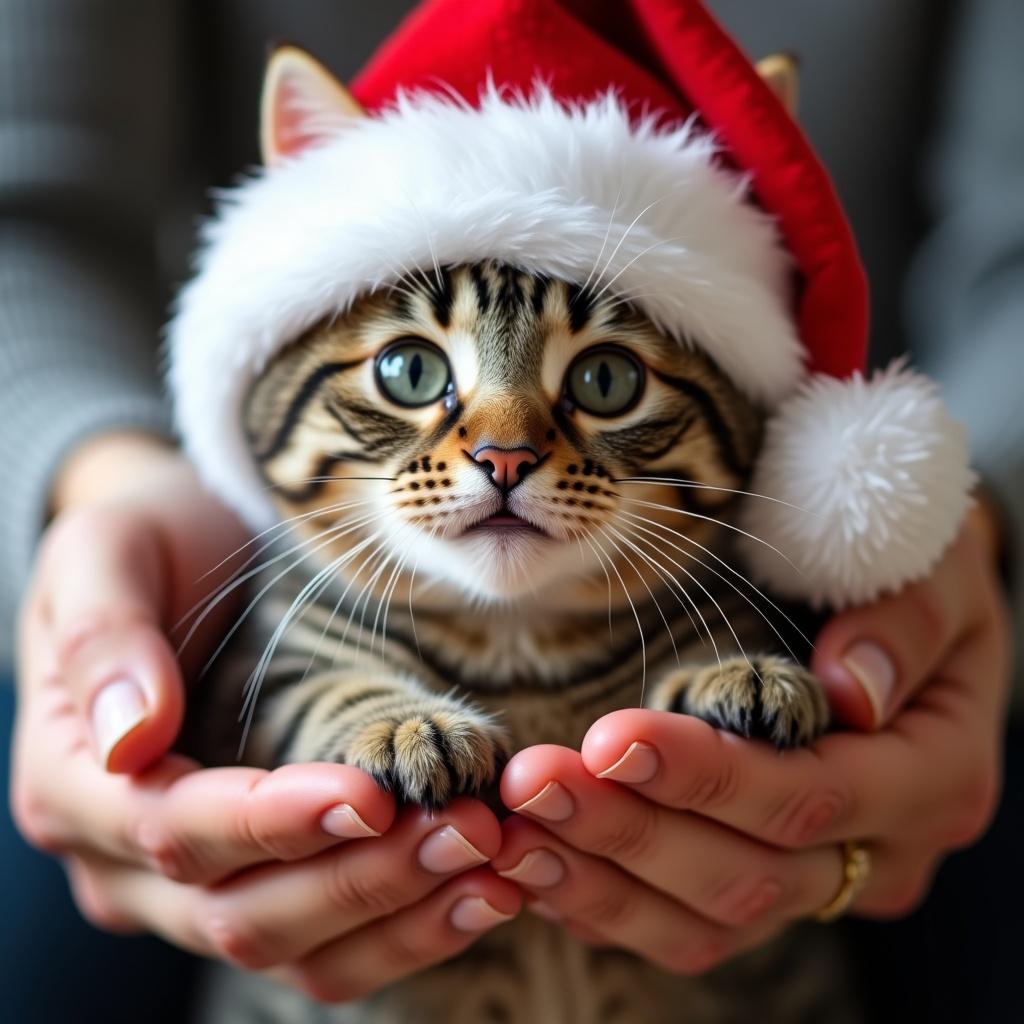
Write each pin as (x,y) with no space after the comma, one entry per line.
(531,182)
(878,471)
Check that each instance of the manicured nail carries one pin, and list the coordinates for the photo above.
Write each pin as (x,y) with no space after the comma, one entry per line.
(543,910)
(540,868)
(116,710)
(553,803)
(638,764)
(448,850)
(343,821)
(475,914)
(875,672)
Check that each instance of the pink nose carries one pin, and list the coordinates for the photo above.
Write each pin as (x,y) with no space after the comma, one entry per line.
(506,466)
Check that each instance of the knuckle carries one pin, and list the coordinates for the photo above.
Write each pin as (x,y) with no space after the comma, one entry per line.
(169,853)
(803,817)
(609,908)
(739,899)
(363,893)
(630,839)
(33,820)
(93,903)
(709,789)
(400,950)
(235,938)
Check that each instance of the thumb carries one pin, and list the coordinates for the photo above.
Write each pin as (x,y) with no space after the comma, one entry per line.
(873,660)
(106,602)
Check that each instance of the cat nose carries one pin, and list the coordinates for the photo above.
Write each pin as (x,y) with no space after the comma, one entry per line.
(506,466)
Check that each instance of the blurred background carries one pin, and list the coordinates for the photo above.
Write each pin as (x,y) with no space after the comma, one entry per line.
(116,118)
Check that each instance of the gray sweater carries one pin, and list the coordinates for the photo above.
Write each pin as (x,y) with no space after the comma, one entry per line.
(116,117)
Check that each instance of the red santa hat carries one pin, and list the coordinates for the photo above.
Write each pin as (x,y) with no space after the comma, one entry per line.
(626,142)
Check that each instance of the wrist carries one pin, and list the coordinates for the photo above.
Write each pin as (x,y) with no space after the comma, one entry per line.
(106,464)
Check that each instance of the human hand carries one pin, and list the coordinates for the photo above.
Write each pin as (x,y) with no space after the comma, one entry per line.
(196,855)
(708,844)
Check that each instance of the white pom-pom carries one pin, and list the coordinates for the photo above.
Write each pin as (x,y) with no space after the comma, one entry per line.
(878,474)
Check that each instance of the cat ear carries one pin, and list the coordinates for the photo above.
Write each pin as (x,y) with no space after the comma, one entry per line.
(302,104)
(781,73)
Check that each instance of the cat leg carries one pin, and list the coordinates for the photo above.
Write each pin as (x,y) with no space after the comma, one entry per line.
(766,697)
(426,748)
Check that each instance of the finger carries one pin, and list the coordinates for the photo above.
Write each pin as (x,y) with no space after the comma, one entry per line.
(106,628)
(608,902)
(437,928)
(542,865)
(212,823)
(720,874)
(872,660)
(848,785)
(277,913)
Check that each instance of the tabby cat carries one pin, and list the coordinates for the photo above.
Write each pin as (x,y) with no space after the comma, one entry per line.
(509,501)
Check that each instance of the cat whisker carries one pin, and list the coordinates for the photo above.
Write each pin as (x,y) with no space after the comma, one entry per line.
(639,625)
(604,241)
(764,597)
(672,583)
(331,536)
(283,484)
(280,526)
(717,522)
(389,591)
(661,481)
(255,681)
(654,599)
(223,592)
(334,611)
(718,608)
(625,234)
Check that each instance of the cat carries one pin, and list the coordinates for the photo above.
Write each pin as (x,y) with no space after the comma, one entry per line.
(510,501)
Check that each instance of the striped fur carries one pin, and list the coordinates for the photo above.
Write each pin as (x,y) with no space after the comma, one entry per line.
(394,637)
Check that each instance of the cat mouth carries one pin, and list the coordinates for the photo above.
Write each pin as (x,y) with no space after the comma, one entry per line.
(505,520)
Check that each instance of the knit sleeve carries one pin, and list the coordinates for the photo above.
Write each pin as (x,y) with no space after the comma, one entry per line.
(967,291)
(86,115)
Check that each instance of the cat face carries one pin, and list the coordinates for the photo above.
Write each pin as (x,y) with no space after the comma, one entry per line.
(499,431)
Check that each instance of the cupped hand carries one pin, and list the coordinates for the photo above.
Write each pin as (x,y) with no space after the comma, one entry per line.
(687,845)
(303,869)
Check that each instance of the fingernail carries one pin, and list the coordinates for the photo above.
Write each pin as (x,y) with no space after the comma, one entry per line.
(638,764)
(448,850)
(875,672)
(553,803)
(543,910)
(475,914)
(343,821)
(116,710)
(540,868)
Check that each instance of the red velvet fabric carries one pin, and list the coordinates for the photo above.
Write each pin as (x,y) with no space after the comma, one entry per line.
(667,57)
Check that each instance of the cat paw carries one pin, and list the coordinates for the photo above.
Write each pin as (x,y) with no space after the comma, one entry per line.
(430,755)
(767,698)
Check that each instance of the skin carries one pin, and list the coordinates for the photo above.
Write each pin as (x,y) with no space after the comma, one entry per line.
(724,845)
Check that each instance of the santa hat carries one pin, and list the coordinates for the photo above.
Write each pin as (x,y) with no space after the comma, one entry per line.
(628,143)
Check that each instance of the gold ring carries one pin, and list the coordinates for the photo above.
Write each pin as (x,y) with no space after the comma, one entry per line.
(856,872)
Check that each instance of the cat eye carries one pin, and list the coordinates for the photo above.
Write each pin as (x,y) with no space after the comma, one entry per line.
(605,381)
(413,372)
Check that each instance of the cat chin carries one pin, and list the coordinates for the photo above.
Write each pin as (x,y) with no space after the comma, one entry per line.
(497,566)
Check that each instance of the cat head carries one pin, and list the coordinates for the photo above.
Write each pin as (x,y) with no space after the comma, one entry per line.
(502,432)
(612,194)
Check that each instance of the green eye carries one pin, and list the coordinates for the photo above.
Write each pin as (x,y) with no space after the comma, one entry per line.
(605,381)
(412,372)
